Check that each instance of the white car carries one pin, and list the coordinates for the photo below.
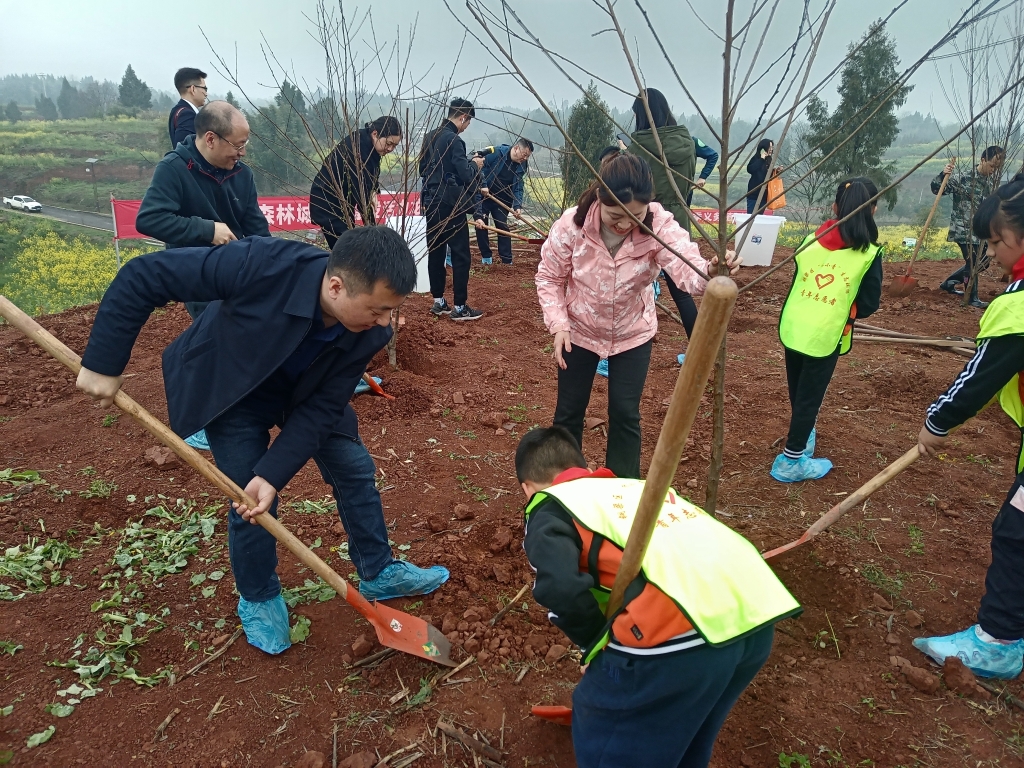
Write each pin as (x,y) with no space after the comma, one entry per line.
(23,203)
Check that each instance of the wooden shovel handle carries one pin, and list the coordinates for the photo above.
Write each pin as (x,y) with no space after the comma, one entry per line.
(928,221)
(501,232)
(192,457)
(712,320)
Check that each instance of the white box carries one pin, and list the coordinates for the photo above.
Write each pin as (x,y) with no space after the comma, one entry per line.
(414,230)
(759,244)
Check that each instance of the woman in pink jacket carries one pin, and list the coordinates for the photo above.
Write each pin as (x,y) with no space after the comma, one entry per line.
(595,287)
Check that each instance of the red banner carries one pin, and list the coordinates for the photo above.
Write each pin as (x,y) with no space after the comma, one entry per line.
(283,214)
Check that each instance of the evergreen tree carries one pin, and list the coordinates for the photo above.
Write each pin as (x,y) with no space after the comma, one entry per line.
(230,99)
(591,130)
(45,108)
(280,144)
(868,77)
(12,112)
(69,102)
(134,93)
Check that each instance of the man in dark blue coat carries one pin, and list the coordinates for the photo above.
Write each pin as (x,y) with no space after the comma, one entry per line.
(501,188)
(190,83)
(284,341)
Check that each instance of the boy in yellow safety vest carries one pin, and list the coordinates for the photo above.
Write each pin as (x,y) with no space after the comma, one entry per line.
(838,278)
(695,627)
(994,646)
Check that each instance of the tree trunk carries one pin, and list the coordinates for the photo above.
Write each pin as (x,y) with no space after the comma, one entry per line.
(718,434)
(393,342)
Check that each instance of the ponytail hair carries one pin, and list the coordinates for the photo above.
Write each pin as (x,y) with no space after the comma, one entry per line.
(1003,210)
(859,231)
(385,126)
(628,177)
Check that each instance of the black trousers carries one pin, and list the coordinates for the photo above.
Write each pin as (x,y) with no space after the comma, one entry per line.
(627,372)
(975,253)
(684,303)
(661,711)
(444,231)
(483,240)
(808,379)
(1001,613)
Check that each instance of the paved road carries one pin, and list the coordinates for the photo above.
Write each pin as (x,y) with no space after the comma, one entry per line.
(96,220)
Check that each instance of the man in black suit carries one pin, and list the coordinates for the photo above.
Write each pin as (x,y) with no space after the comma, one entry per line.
(190,83)
(284,341)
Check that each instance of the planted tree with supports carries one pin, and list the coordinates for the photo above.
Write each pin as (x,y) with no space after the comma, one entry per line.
(590,130)
(783,78)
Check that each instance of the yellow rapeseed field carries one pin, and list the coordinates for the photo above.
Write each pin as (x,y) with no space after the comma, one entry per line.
(50,274)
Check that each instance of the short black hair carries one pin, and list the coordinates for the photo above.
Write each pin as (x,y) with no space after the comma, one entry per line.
(385,126)
(611,149)
(461,107)
(217,116)
(1002,210)
(187,76)
(363,256)
(546,451)
(992,152)
(524,143)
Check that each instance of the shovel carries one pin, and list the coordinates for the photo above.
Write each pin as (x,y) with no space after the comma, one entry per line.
(903,285)
(395,629)
(534,227)
(855,498)
(715,309)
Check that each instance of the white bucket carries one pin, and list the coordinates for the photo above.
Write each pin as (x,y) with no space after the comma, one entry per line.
(761,236)
(414,229)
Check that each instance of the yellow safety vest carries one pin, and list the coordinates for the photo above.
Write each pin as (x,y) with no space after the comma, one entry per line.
(1005,317)
(816,315)
(715,576)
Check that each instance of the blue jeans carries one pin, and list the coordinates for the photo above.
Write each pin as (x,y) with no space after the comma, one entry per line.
(238,439)
(662,711)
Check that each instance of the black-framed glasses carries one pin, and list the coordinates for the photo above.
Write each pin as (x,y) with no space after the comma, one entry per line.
(237,147)
(205,89)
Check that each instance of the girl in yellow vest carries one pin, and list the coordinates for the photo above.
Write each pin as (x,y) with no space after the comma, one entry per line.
(695,628)
(838,278)
(993,647)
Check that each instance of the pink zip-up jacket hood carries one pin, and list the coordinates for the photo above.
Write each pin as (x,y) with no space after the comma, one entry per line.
(606,303)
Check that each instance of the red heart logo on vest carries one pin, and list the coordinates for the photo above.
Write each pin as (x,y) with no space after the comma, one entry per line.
(824,280)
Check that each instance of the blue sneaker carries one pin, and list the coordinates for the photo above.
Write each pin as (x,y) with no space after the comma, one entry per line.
(487,262)
(680,357)
(787,470)
(266,624)
(811,441)
(198,441)
(602,368)
(983,658)
(362,387)
(403,579)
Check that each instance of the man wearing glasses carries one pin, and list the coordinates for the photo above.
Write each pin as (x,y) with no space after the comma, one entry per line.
(190,83)
(202,193)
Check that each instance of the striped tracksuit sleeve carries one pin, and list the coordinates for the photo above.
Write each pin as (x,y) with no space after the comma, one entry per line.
(995,362)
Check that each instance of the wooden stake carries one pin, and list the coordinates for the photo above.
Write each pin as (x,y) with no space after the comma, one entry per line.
(163,726)
(511,604)
(213,712)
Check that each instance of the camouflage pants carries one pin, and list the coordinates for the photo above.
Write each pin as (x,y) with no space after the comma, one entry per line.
(975,253)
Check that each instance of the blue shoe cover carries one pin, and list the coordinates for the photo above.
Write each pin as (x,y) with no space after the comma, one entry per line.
(448,261)
(403,579)
(811,441)
(198,441)
(266,624)
(487,262)
(602,368)
(787,470)
(983,658)
(680,357)
(362,387)
(657,289)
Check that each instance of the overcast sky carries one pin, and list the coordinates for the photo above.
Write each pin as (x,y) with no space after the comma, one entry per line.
(100,37)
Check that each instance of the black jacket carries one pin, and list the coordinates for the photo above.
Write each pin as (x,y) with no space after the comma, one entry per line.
(995,362)
(188,195)
(181,122)
(354,176)
(267,290)
(449,178)
(758,170)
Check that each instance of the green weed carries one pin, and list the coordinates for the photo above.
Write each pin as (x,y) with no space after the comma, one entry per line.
(794,760)
(310,592)
(36,566)
(916,540)
(109,420)
(98,489)
(473,490)
(891,585)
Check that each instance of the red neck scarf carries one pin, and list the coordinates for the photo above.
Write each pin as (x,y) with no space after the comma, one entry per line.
(1017,272)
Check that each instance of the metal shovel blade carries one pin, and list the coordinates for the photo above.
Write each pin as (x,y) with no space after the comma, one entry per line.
(411,635)
(902,285)
(557,715)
